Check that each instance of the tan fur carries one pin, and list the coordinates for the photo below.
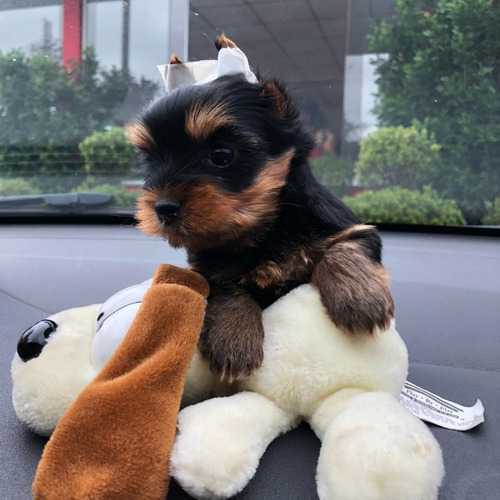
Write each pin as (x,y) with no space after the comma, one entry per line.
(114,441)
(139,135)
(280,103)
(346,234)
(298,266)
(346,279)
(203,119)
(146,215)
(223,42)
(211,216)
(174,59)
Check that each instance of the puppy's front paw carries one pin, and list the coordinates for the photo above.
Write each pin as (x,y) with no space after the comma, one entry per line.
(232,356)
(354,291)
(360,310)
(232,337)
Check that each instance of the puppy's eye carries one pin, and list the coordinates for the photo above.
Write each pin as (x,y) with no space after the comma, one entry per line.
(221,156)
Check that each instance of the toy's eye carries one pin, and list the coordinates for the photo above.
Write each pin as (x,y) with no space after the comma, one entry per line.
(221,156)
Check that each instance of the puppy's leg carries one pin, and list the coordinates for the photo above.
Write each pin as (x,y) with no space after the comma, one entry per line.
(352,282)
(232,337)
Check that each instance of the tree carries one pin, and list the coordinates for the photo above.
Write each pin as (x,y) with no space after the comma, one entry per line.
(492,213)
(397,156)
(46,112)
(442,68)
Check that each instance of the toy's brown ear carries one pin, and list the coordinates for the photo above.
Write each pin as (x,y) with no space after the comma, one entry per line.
(223,42)
(167,274)
(273,90)
(115,440)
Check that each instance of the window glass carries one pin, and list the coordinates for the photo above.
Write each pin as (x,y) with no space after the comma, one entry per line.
(401,96)
(32,29)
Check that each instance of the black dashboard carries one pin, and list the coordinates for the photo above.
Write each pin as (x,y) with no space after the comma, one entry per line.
(447,294)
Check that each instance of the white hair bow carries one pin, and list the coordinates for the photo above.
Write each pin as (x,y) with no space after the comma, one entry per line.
(231,61)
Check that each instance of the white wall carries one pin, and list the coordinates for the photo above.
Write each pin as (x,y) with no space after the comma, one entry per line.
(359,99)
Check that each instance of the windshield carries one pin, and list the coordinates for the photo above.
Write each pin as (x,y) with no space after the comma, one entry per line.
(402,98)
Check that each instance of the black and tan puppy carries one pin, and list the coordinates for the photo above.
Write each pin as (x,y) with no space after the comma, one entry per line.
(227,178)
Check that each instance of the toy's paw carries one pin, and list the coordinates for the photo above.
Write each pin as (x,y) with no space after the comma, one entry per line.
(233,336)
(354,291)
(34,339)
(220,441)
(375,449)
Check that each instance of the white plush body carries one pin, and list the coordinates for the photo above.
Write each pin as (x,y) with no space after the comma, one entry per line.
(345,386)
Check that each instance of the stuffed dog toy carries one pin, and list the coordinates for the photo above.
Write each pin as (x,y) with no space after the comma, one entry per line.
(114,441)
(345,386)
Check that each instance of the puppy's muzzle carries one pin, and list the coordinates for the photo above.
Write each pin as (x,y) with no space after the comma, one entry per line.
(167,209)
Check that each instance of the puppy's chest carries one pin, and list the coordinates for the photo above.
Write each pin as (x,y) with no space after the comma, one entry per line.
(274,278)
(268,274)
(272,268)
(294,266)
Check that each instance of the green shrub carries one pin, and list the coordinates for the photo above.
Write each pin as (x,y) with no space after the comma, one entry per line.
(107,153)
(334,172)
(400,205)
(16,186)
(123,197)
(398,156)
(47,111)
(493,213)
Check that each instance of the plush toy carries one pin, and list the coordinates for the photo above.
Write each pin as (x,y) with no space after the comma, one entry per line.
(344,386)
(114,440)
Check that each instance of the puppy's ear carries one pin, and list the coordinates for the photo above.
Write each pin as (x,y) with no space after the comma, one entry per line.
(139,135)
(223,42)
(282,102)
(174,59)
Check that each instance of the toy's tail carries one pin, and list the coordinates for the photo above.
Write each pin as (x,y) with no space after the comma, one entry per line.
(115,440)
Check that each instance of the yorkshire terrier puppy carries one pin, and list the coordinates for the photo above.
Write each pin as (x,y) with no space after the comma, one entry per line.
(227,178)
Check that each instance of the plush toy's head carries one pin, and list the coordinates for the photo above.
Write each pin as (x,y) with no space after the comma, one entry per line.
(46,384)
(60,355)
(216,157)
(113,321)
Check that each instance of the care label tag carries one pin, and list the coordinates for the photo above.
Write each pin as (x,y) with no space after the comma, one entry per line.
(427,406)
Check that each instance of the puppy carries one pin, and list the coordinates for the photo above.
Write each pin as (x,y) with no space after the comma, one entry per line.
(227,178)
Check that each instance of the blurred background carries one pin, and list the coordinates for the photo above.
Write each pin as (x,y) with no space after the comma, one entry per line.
(402,96)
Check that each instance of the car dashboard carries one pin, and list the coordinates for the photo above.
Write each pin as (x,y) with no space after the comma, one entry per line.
(446,289)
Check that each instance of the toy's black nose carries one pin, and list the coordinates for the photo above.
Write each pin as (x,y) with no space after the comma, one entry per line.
(167,209)
(33,340)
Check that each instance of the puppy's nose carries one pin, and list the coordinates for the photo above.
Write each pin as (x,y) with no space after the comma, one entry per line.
(167,209)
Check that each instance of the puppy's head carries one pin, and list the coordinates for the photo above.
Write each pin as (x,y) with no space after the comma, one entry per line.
(216,158)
